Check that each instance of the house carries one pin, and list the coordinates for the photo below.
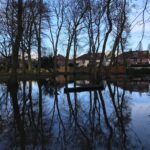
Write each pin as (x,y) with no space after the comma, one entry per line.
(60,62)
(60,59)
(109,54)
(84,60)
(133,58)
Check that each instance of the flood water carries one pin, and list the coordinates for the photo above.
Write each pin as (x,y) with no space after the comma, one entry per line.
(38,115)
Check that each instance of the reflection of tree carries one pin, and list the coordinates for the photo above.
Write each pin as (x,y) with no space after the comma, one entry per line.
(4,99)
(121,115)
(13,89)
(93,130)
(30,111)
(106,119)
(48,87)
(24,100)
(31,125)
(81,129)
(31,115)
(37,124)
(40,116)
(70,120)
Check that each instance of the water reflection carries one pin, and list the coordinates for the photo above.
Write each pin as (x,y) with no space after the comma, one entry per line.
(138,84)
(38,115)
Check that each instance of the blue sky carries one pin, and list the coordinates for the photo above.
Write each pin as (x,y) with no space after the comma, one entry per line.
(135,34)
(137,27)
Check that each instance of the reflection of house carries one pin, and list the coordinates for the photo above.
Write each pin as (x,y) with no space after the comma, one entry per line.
(134,57)
(134,86)
(85,59)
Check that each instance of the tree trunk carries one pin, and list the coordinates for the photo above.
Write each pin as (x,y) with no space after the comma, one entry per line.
(16,45)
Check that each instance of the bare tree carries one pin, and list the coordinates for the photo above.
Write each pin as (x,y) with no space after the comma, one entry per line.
(18,38)
(28,35)
(93,23)
(73,19)
(55,24)
(121,25)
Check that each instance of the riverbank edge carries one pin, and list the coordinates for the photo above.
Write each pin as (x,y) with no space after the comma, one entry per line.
(50,75)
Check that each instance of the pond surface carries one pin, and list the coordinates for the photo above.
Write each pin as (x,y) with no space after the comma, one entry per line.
(39,115)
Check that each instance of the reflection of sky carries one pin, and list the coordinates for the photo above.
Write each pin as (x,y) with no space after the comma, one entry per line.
(136,6)
(140,111)
(140,114)
(141,120)
(139,104)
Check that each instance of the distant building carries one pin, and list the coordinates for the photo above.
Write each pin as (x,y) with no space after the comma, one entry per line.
(60,60)
(84,60)
(133,58)
(109,56)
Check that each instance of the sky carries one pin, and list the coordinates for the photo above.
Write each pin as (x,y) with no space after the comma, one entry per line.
(137,27)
